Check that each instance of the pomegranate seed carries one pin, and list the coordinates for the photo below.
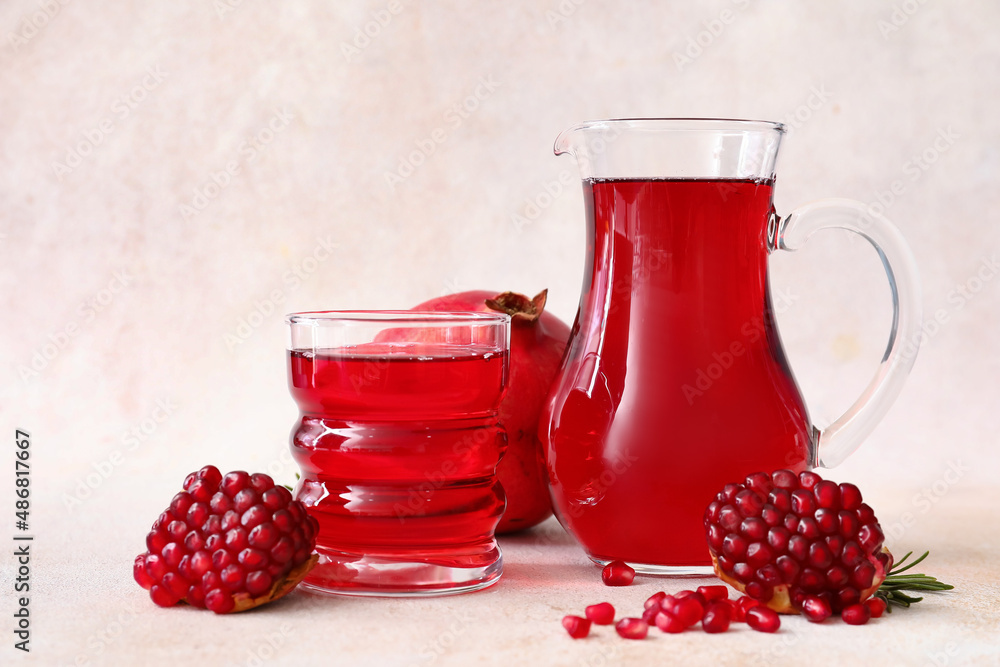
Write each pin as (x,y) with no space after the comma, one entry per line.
(729,518)
(683,595)
(827,494)
(760,591)
(819,556)
(808,528)
(870,536)
(667,622)
(754,529)
(785,479)
(816,609)
(846,597)
(654,600)
(863,575)
(712,511)
(688,611)
(729,492)
(762,619)
(835,543)
(827,521)
(743,572)
(789,569)
(668,603)
(577,627)
(770,575)
(713,592)
(849,524)
(717,617)
(836,577)
(758,555)
(781,499)
(749,503)
(617,573)
(219,601)
(850,497)
(601,614)
(807,480)
(162,596)
(734,546)
(759,482)
(798,547)
(715,536)
(743,605)
(811,580)
(876,606)
(856,614)
(632,628)
(649,615)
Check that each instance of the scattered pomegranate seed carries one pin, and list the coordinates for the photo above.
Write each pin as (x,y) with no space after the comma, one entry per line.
(617,573)
(876,606)
(689,611)
(816,609)
(856,614)
(577,627)
(762,619)
(714,592)
(717,617)
(601,614)
(667,622)
(632,628)
(654,600)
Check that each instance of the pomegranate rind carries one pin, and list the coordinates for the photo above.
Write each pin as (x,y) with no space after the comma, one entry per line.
(780,600)
(279,588)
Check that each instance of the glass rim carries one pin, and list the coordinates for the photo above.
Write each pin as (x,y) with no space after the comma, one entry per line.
(709,124)
(426,317)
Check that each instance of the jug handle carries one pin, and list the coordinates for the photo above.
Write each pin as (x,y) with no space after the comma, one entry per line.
(841,438)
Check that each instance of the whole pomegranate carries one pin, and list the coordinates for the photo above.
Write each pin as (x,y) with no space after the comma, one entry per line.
(537,341)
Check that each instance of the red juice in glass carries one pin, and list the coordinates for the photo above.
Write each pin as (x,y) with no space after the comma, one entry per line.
(398,443)
(681,386)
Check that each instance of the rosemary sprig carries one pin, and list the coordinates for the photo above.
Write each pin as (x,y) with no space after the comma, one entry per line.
(891,590)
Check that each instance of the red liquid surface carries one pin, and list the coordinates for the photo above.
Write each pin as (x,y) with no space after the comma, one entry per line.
(398,452)
(674,383)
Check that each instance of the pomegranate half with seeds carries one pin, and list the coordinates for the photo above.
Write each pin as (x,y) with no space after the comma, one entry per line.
(785,539)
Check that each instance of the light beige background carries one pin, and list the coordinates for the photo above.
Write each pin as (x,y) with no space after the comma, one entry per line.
(143,284)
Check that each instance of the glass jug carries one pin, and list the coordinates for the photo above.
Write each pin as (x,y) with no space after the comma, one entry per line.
(674,381)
